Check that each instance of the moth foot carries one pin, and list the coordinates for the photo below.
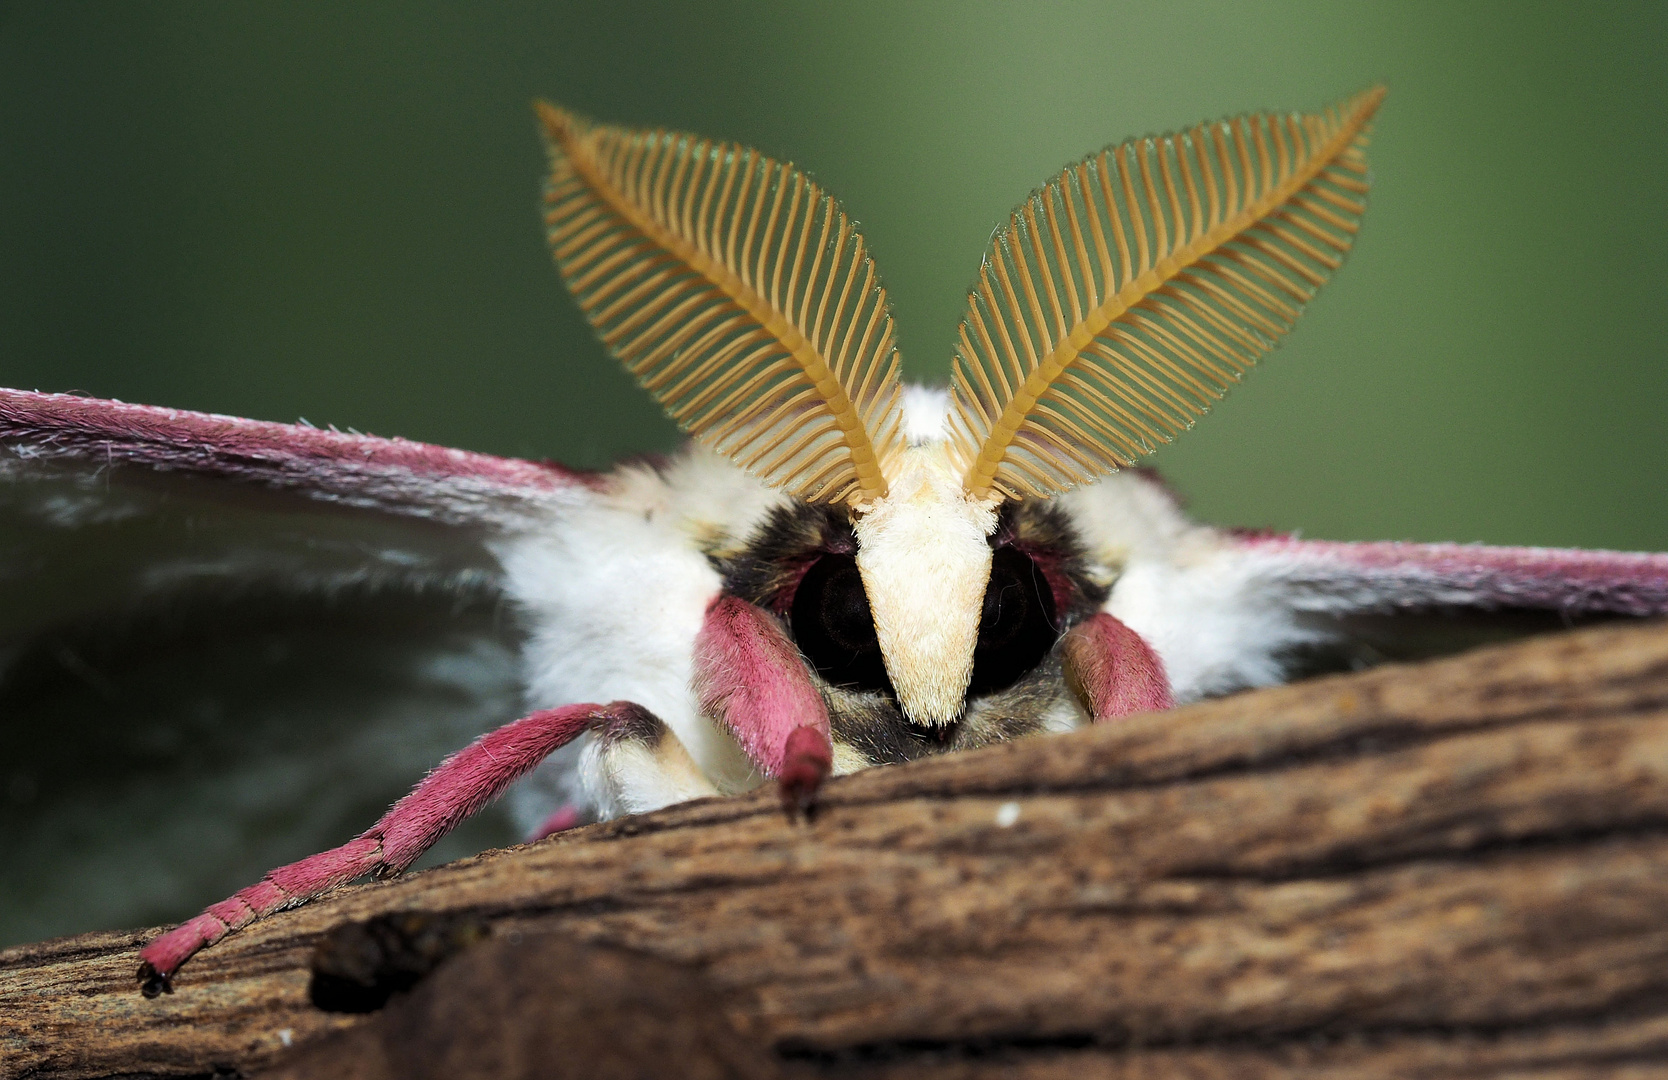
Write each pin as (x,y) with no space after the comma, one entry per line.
(153,982)
(806,762)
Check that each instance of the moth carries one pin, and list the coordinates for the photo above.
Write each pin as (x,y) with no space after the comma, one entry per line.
(839,571)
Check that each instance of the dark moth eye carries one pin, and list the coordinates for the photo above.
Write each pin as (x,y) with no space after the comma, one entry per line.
(1016,628)
(834,628)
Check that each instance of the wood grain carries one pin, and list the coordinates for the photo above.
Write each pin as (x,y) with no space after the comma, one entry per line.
(1458,868)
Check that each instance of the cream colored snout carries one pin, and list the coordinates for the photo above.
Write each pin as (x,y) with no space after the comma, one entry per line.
(924,554)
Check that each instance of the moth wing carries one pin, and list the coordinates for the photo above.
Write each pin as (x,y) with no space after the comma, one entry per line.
(1405,601)
(227,643)
(1229,610)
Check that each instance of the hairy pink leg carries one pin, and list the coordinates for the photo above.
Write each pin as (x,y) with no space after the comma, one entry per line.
(750,677)
(563,818)
(1113,671)
(458,787)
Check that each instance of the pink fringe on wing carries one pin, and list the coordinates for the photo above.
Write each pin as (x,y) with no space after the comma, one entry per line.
(1400,575)
(363,470)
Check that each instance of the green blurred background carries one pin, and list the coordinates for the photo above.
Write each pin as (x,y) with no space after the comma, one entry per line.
(308,210)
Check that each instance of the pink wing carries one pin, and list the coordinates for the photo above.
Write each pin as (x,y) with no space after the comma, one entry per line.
(1387,577)
(1251,609)
(236,639)
(358,470)
(1354,604)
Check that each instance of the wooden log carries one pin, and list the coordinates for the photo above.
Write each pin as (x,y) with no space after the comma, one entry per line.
(1458,868)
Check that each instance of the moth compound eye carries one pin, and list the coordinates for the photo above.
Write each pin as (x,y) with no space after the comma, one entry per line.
(834,628)
(1017,626)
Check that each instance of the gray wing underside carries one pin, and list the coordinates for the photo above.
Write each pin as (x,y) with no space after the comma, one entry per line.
(207,671)
(1252,610)
(1402,601)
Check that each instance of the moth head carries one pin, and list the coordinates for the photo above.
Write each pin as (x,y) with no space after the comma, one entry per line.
(919,598)
(1114,307)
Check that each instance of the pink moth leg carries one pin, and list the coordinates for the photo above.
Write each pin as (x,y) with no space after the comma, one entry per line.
(563,818)
(1113,671)
(458,787)
(751,678)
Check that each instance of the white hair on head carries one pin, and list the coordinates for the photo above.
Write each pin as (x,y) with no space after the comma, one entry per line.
(926,411)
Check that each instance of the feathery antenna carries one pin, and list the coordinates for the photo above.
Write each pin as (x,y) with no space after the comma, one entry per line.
(738,293)
(1126,296)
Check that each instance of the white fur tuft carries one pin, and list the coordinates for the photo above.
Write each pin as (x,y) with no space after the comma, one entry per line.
(926,412)
(613,594)
(630,777)
(1218,619)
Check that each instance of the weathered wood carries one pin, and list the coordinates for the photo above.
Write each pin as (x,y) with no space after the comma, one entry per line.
(541,1007)
(1456,868)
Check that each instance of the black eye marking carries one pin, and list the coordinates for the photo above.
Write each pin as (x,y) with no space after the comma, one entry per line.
(800,564)
(768,568)
(834,628)
(1018,625)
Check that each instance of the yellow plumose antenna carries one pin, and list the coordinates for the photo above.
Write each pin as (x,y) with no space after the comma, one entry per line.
(739,295)
(1123,298)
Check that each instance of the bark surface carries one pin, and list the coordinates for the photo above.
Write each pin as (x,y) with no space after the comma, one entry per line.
(1452,869)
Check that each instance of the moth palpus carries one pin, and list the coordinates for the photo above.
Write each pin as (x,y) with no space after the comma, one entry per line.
(839,570)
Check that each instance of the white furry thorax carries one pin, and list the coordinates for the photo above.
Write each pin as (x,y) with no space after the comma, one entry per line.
(924,554)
